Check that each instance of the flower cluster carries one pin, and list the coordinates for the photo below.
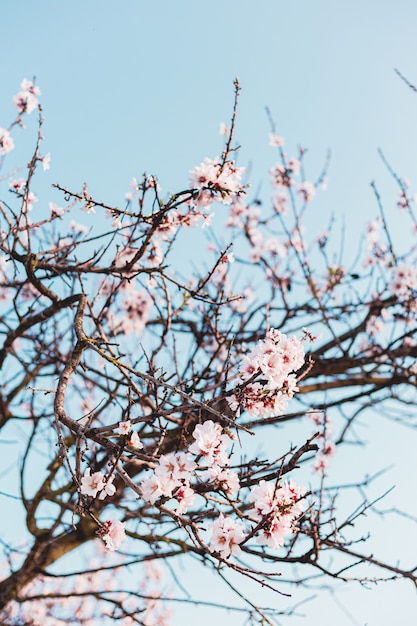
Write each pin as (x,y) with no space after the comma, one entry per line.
(171,479)
(210,442)
(216,181)
(281,175)
(207,455)
(404,281)
(26,100)
(210,446)
(226,535)
(274,360)
(275,509)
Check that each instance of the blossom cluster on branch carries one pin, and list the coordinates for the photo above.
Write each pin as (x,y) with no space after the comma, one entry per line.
(138,386)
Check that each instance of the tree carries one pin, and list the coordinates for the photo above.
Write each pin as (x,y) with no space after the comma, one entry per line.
(137,386)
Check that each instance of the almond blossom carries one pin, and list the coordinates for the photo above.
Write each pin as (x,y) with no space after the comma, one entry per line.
(108,489)
(404,280)
(46,161)
(134,311)
(210,442)
(275,140)
(274,361)
(91,484)
(185,497)
(26,100)
(124,427)
(151,488)
(171,478)
(226,535)
(307,191)
(17,184)
(6,142)
(134,440)
(113,534)
(282,175)
(178,465)
(275,510)
(226,478)
(327,447)
(216,181)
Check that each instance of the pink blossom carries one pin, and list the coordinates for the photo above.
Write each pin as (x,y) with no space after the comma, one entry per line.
(30,200)
(281,176)
(216,181)
(226,535)
(316,417)
(404,280)
(124,427)
(177,466)
(263,497)
(279,201)
(88,208)
(135,310)
(46,161)
(134,186)
(185,497)
(324,456)
(134,440)
(26,101)
(224,130)
(17,184)
(274,531)
(275,358)
(275,140)
(228,258)
(226,478)
(113,534)
(373,233)
(91,484)
(275,508)
(207,437)
(307,190)
(374,325)
(6,142)
(294,165)
(151,489)
(108,489)
(171,479)
(55,209)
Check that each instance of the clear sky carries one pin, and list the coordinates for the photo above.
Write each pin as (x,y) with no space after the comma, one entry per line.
(134,86)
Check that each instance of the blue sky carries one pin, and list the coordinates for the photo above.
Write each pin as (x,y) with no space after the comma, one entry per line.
(140,86)
(144,86)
